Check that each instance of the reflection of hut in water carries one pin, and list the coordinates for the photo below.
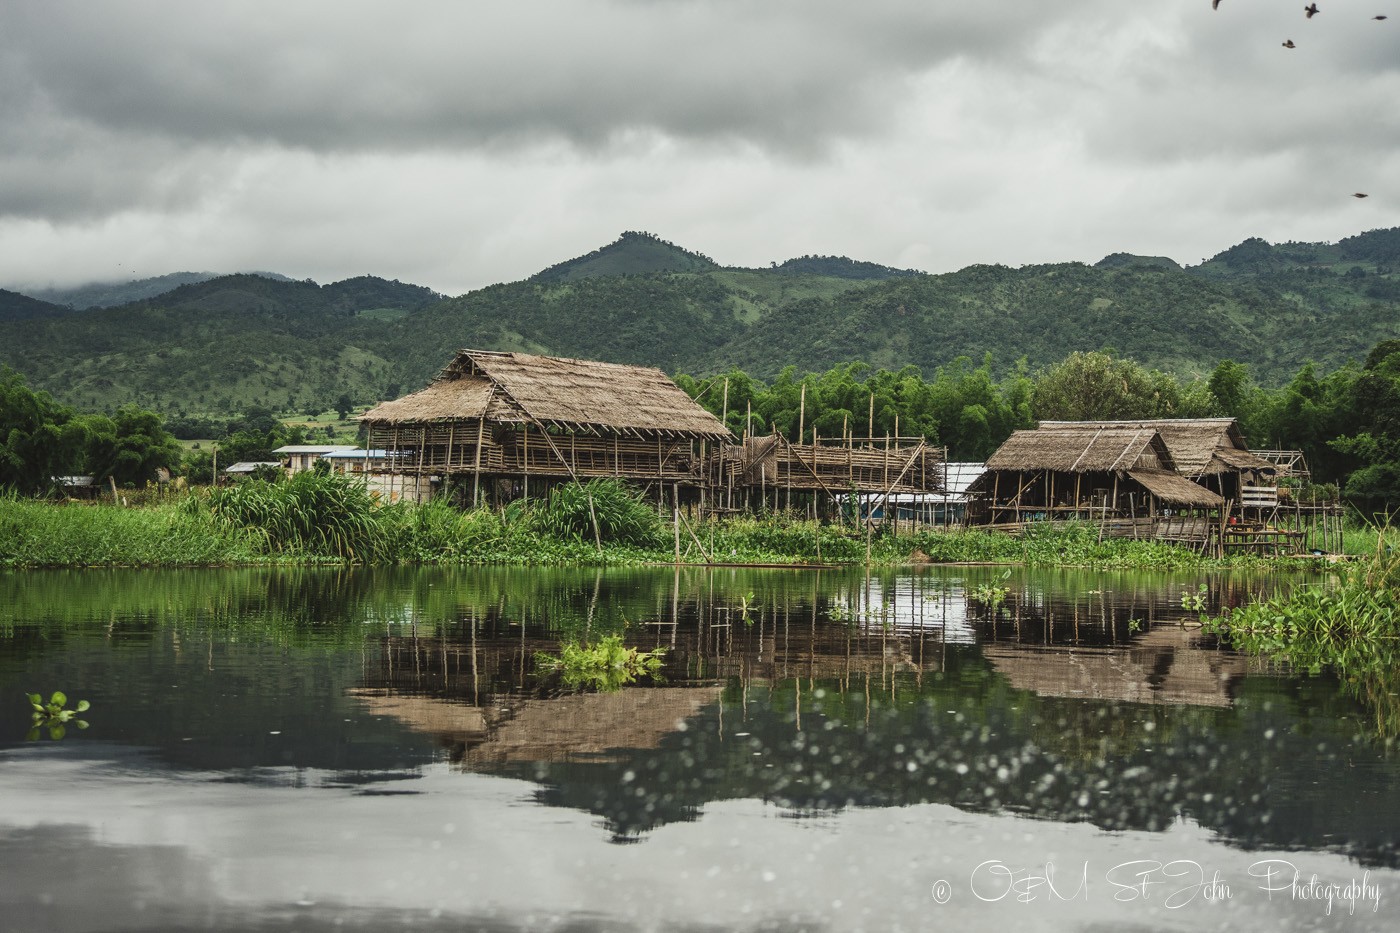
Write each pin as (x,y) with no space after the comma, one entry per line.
(566,728)
(1162,666)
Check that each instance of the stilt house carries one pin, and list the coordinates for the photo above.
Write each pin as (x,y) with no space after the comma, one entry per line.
(510,424)
(1120,475)
(1208,451)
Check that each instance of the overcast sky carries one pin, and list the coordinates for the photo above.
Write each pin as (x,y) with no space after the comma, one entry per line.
(457,144)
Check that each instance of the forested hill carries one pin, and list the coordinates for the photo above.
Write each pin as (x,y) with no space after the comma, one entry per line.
(17,307)
(1184,321)
(112,294)
(218,346)
(633,253)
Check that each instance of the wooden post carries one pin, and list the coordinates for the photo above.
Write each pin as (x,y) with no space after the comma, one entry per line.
(525,464)
(476,463)
(801,415)
(748,421)
(422,454)
(724,418)
(871,430)
(788,461)
(214,477)
(885,478)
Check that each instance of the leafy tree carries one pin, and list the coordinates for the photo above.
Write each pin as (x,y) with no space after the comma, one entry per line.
(344,405)
(38,438)
(1099,387)
(1375,443)
(128,447)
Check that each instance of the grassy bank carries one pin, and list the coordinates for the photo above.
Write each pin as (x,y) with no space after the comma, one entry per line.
(40,534)
(323,518)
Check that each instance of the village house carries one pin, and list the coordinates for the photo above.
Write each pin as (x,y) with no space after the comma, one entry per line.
(1208,451)
(495,426)
(1121,476)
(298,458)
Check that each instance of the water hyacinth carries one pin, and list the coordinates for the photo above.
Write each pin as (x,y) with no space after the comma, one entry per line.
(1350,627)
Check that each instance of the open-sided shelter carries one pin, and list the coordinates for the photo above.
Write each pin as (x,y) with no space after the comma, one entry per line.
(1209,451)
(513,422)
(1123,476)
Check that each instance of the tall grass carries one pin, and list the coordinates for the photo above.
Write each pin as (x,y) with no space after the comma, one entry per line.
(40,534)
(605,506)
(320,518)
(318,513)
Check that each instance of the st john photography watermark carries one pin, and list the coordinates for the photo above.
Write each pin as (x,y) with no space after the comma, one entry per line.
(1171,885)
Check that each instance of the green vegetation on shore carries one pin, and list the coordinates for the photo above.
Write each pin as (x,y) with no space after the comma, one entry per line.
(1349,625)
(325,518)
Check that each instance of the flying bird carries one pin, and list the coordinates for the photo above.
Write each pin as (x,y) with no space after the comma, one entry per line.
(1215,4)
(1288,44)
(1360,195)
(1311,10)
(1373,17)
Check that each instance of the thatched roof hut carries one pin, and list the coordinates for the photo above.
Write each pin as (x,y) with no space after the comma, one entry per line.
(506,420)
(572,395)
(1135,451)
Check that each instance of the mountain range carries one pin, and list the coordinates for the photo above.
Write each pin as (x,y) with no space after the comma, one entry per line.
(214,346)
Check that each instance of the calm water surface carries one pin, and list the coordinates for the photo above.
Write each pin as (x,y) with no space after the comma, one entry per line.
(322,750)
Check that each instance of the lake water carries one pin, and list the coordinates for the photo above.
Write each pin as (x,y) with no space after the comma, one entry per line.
(370,750)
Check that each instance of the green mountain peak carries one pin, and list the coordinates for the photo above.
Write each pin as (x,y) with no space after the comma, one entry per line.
(632,253)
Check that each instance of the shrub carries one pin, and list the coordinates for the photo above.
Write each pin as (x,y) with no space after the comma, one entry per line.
(621,514)
(327,514)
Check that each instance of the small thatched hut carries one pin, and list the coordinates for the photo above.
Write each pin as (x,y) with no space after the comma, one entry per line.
(511,420)
(1209,451)
(1118,474)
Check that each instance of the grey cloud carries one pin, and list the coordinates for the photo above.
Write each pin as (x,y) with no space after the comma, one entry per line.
(110,107)
(354,76)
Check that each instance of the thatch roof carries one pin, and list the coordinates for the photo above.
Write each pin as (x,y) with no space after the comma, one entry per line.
(444,400)
(1228,458)
(1175,489)
(546,390)
(1193,442)
(1093,450)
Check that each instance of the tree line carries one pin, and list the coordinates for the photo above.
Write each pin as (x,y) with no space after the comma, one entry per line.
(41,440)
(1346,422)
